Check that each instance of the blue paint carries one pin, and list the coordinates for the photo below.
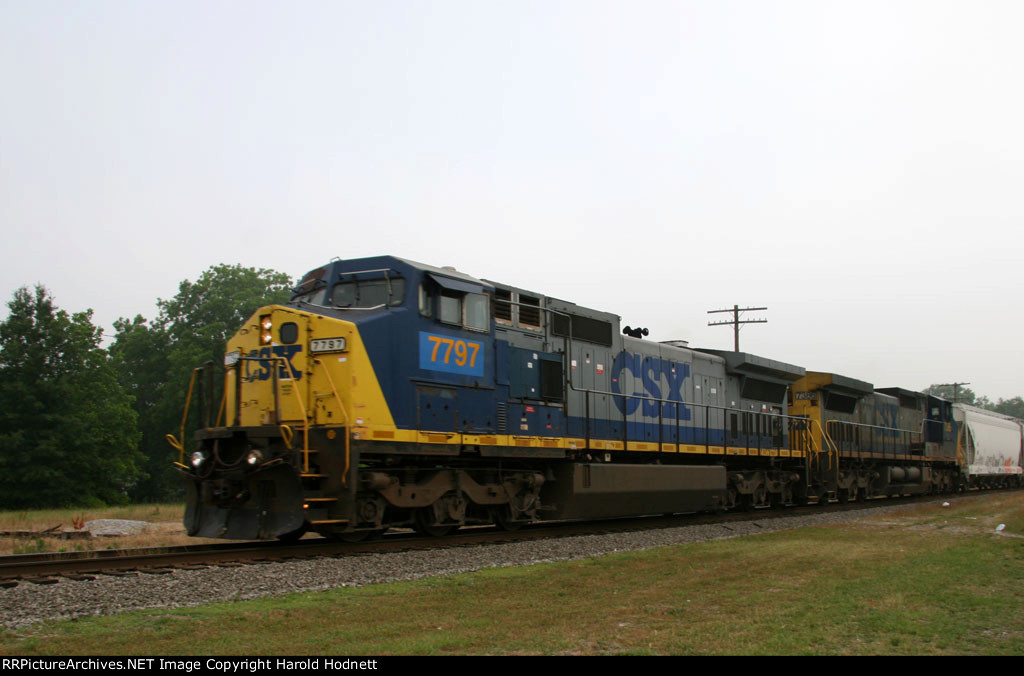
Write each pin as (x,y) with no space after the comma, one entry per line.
(652,372)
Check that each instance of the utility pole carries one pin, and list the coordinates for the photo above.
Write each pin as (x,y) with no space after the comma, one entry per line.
(956,390)
(735,321)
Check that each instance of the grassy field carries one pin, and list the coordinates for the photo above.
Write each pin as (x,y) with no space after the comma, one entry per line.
(924,581)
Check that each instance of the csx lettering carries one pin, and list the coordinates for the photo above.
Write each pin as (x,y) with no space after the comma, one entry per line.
(650,371)
(285,371)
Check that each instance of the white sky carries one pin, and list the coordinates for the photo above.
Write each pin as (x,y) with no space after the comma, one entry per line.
(855,166)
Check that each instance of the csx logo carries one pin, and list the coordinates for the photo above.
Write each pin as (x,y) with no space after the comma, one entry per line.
(651,373)
(261,370)
(888,416)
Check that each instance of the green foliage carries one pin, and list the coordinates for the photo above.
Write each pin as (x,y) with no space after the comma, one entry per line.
(140,353)
(67,428)
(963,395)
(1013,407)
(155,359)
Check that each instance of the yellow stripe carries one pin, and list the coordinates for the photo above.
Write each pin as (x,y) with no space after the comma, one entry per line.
(566,443)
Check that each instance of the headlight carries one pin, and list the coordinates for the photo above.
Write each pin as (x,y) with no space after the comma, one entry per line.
(197,459)
(254,458)
(265,325)
(231,358)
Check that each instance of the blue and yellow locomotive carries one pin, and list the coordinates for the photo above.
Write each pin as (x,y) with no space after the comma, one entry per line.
(388,393)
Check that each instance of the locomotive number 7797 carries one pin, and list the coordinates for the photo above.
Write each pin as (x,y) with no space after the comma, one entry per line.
(449,354)
(462,349)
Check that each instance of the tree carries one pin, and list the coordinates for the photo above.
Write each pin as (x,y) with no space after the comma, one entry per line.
(68,433)
(156,358)
(964,395)
(141,355)
(1014,407)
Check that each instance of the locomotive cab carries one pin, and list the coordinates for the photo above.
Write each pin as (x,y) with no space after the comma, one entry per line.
(314,388)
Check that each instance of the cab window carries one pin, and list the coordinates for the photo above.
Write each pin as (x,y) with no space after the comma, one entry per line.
(372,293)
(477,317)
(469,310)
(451,308)
(368,293)
(344,294)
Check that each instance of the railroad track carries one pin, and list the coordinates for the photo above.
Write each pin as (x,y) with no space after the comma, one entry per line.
(49,568)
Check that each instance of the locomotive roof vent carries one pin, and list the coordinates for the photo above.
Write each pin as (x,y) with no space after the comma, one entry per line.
(676,343)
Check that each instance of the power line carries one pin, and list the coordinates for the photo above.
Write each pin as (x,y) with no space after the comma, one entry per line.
(736,321)
(956,389)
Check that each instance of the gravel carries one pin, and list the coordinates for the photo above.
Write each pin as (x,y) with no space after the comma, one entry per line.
(107,595)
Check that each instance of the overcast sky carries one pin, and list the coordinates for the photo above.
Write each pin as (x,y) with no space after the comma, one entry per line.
(855,166)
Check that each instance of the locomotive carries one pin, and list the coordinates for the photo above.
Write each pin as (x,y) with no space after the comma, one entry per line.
(388,393)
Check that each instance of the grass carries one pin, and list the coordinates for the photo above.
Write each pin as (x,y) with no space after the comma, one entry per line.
(165,521)
(928,581)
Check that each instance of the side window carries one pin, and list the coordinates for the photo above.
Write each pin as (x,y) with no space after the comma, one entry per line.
(451,308)
(458,303)
(477,315)
(470,310)
(426,307)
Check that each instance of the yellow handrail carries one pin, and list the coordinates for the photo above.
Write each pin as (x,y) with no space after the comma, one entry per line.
(286,435)
(180,444)
(305,416)
(833,449)
(343,413)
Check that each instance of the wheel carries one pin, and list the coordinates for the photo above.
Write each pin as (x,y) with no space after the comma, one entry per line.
(423,523)
(502,516)
(843,495)
(746,502)
(760,496)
